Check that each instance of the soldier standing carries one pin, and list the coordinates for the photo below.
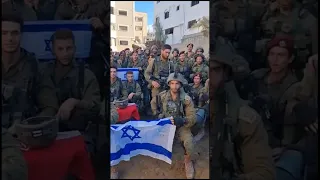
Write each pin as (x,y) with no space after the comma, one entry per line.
(14,166)
(241,149)
(182,66)
(133,89)
(190,53)
(136,62)
(177,104)
(116,89)
(158,71)
(200,67)
(195,88)
(200,51)
(175,55)
(122,61)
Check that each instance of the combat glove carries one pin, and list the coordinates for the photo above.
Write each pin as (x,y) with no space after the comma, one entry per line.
(179,122)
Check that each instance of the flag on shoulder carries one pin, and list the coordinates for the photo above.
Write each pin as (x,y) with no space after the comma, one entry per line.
(148,138)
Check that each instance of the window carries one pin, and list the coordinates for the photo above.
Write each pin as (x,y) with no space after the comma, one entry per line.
(168,31)
(139,19)
(178,8)
(123,28)
(193,3)
(124,43)
(166,15)
(157,19)
(191,23)
(112,10)
(113,26)
(138,28)
(123,13)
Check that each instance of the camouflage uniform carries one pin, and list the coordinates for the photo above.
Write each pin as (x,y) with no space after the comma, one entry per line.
(183,108)
(23,76)
(299,23)
(27,13)
(14,166)
(195,91)
(159,69)
(205,59)
(200,68)
(133,87)
(248,141)
(117,91)
(137,64)
(183,68)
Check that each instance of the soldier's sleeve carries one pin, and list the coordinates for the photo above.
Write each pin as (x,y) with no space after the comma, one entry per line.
(91,98)
(124,91)
(47,99)
(114,115)
(206,72)
(148,71)
(14,166)
(138,90)
(190,112)
(255,151)
(153,105)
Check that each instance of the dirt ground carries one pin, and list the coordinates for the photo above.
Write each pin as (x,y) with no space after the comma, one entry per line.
(144,167)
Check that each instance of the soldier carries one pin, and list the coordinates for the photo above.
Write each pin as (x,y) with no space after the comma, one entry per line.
(133,89)
(200,51)
(240,148)
(154,50)
(22,8)
(195,88)
(122,61)
(175,55)
(113,62)
(190,53)
(14,166)
(278,20)
(136,62)
(116,89)
(158,71)
(77,89)
(182,66)
(177,104)
(23,97)
(199,66)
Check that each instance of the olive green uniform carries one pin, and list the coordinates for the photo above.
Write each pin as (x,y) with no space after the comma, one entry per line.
(183,68)
(139,63)
(133,87)
(14,166)
(195,91)
(202,68)
(117,91)
(185,107)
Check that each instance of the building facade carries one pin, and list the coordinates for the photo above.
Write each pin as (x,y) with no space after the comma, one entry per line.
(177,19)
(127,26)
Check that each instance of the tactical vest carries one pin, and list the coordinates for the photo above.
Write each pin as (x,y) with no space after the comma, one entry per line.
(130,88)
(162,69)
(169,107)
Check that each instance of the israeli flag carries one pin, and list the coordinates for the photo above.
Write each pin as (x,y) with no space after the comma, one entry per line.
(36,37)
(122,73)
(148,138)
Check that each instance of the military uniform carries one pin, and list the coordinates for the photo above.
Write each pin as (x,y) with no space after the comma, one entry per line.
(25,12)
(200,68)
(21,90)
(195,91)
(117,91)
(14,166)
(133,87)
(139,63)
(114,115)
(182,107)
(243,139)
(159,69)
(183,68)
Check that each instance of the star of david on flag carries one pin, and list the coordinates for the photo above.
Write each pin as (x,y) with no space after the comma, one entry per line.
(134,130)
(48,45)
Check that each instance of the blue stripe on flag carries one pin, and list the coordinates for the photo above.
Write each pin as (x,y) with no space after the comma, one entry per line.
(143,146)
(161,123)
(54,27)
(127,69)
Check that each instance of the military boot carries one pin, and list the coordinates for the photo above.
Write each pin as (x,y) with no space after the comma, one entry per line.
(114,173)
(188,164)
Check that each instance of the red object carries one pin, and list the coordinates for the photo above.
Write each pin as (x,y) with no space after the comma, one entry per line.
(285,41)
(128,113)
(65,156)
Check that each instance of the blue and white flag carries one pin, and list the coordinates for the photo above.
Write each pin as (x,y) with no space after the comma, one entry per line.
(148,138)
(122,73)
(36,37)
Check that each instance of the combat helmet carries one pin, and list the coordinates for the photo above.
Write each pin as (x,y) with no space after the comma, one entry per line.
(121,103)
(177,77)
(37,132)
(226,54)
(200,48)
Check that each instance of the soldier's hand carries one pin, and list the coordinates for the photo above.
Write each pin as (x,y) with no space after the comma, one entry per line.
(96,23)
(313,128)
(130,96)
(155,84)
(66,108)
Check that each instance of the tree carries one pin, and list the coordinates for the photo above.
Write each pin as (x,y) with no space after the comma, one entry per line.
(158,32)
(203,23)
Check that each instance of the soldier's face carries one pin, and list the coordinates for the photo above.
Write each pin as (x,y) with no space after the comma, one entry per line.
(174,86)
(216,74)
(199,60)
(175,53)
(165,53)
(199,52)
(279,59)
(147,52)
(134,56)
(113,73)
(196,80)
(127,52)
(190,48)
(64,50)
(11,33)
(122,56)
(182,57)
(130,77)
(155,51)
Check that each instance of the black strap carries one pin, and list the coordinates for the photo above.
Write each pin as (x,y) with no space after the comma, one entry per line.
(81,78)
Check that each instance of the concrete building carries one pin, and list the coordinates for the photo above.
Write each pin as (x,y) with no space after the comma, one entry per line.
(127,26)
(150,34)
(177,18)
